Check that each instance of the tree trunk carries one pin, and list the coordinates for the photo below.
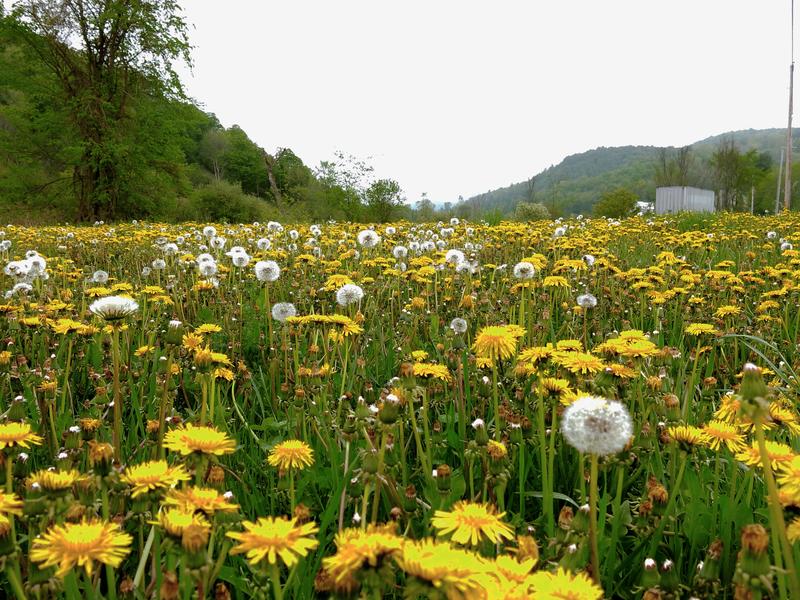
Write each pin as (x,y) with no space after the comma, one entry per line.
(273,184)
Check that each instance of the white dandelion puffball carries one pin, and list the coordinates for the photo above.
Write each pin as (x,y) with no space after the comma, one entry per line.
(267,270)
(113,308)
(100,277)
(771,235)
(454,257)
(207,268)
(209,231)
(349,294)
(368,238)
(524,270)
(264,244)
(283,310)
(586,301)
(589,260)
(458,325)
(594,425)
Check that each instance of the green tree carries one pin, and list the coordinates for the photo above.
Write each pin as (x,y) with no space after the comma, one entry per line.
(531,211)
(104,54)
(383,197)
(617,204)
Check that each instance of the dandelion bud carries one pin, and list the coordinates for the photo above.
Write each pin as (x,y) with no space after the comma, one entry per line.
(481,435)
(174,335)
(389,410)
(169,587)
(369,462)
(443,473)
(754,392)
(650,575)
(215,476)
(753,569)
(101,455)
(669,576)
(17,411)
(565,517)
(410,499)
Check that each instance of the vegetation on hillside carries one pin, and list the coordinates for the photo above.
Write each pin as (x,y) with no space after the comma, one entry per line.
(730,164)
(100,129)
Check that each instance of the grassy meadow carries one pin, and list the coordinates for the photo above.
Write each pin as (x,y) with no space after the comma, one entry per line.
(561,410)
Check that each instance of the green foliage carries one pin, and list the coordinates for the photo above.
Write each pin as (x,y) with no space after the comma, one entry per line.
(531,211)
(618,204)
(226,202)
(383,197)
(577,183)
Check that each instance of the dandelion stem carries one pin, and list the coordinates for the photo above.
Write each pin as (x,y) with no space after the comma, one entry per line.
(775,512)
(594,552)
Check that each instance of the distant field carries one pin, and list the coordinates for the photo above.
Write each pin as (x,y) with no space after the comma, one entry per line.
(452,410)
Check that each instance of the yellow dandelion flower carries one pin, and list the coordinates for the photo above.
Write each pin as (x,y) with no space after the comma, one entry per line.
(579,363)
(454,571)
(555,281)
(432,370)
(54,481)
(788,479)
(720,433)
(204,499)
(357,548)
(17,434)
(143,350)
(192,341)
(175,521)
(271,538)
(206,440)
(687,435)
(727,310)
(471,522)
(291,454)
(10,504)
(779,454)
(536,354)
(497,342)
(80,545)
(793,530)
(207,328)
(497,450)
(698,329)
(563,585)
(152,476)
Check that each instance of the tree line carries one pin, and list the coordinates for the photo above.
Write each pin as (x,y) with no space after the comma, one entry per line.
(96,125)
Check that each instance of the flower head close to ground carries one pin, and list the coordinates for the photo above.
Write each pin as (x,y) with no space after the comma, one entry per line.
(274,538)
(594,425)
(291,454)
(153,475)
(469,523)
(18,434)
(193,438)
(80,545)
(496,342)
(114,308)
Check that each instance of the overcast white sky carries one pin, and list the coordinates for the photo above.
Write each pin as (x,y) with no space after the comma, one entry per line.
(458,97)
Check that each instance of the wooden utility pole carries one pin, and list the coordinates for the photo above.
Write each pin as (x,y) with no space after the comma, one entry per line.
(778,187)
(787,189)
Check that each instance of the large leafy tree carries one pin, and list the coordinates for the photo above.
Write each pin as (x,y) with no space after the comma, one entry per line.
(106,56)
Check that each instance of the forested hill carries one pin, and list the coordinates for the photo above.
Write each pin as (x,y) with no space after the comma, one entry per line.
(577,182)
(160,156)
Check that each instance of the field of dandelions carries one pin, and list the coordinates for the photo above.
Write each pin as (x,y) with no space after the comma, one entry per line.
(577,410)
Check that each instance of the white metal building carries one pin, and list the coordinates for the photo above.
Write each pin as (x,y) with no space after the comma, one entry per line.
(676,199)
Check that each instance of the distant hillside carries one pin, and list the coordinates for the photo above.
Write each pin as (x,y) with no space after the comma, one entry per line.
(577,182)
